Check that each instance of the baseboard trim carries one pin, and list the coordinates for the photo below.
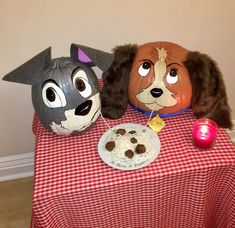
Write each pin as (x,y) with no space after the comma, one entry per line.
(16,166)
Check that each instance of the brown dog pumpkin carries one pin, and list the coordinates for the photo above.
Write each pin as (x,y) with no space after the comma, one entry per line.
(167,79)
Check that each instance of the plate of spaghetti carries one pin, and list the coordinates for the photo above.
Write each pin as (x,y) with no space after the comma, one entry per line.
(129,146)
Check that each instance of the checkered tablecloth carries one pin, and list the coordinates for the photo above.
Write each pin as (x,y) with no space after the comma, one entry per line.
(183,187)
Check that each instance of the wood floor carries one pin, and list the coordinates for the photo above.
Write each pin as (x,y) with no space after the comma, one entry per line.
(16,203)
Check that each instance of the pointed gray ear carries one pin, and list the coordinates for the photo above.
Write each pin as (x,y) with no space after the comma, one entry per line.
(91,57)
(31,71)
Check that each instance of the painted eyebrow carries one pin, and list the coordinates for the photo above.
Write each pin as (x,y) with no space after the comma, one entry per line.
(174,63)
(50,80)
(146,60)
(75,70)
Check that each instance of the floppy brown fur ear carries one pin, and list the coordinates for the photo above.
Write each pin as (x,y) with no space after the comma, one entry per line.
(114,94)
(209,97)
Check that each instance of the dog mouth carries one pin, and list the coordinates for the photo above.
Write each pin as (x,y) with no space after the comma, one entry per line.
(84,108)
(156,100)
(154,106)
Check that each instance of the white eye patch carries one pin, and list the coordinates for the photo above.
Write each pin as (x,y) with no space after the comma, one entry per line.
(144,69)
(81,83)
(53,96)
(172,77)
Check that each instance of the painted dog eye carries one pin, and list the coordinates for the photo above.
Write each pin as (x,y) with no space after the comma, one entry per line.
(81,83)
(172,76)
(144,69)
(52,95)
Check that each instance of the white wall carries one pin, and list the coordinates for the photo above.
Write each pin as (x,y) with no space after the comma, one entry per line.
(29,26)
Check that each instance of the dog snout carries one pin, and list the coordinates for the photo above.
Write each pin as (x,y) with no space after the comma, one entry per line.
(156,92)
(84,108)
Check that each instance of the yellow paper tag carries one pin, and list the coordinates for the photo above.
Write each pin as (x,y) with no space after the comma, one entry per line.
(156,124)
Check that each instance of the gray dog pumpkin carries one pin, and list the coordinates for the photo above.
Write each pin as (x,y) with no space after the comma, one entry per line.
(65,91)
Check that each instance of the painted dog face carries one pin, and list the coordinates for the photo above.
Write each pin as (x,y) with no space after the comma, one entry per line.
(68,99)
(159,80)
(65,91)
(165,78)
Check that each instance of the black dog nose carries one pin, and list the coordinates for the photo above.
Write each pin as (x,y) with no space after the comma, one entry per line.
(84,108)
(156,92)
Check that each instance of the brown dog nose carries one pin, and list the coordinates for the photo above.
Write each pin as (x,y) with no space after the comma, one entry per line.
(156,92)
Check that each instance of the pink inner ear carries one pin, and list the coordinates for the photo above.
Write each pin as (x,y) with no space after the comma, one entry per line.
(82,57)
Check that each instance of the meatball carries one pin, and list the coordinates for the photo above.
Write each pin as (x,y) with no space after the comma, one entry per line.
(110,145)
(121,131)
(129,153)
(133,140)
(140,149)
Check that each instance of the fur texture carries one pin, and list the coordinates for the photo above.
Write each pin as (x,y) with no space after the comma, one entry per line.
(114,95)
(209,97)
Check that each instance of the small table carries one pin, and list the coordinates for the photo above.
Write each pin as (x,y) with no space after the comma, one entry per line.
(183,187)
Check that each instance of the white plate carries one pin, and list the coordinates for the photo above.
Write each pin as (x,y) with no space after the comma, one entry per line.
(117,158)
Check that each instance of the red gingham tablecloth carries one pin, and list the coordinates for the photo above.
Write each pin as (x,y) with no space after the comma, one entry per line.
(183,187)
